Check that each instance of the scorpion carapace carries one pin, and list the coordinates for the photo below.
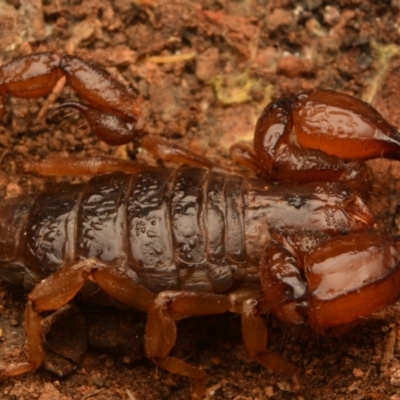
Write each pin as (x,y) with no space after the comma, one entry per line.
(197,241)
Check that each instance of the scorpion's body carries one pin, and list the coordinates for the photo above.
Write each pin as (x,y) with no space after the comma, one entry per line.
(168,229)
(192,241)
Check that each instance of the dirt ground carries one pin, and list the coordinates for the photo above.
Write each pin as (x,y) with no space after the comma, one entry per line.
(205,70)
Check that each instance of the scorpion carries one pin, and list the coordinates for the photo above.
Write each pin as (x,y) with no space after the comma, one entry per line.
(293,238)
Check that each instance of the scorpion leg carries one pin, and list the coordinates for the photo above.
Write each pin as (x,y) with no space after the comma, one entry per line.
(160,336)
(170,306)
(74,166)
(59,288)
(244,155)
(167,151)
(255,337)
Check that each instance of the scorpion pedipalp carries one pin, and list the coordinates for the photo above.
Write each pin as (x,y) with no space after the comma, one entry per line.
(347,290)
(345,280)
(113,112)
(108,127)
(309,137)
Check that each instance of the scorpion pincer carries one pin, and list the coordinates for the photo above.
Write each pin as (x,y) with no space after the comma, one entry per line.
(194,240)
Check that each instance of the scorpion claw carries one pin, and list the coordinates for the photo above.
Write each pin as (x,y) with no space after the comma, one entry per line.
(343,126)
(358,273)
(109,127)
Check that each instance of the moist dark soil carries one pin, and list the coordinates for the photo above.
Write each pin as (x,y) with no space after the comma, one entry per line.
(205,70)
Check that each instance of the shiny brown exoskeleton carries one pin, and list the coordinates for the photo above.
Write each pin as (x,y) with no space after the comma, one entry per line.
(197,241)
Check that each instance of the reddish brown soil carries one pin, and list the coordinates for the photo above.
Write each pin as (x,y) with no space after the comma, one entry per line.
(205,70)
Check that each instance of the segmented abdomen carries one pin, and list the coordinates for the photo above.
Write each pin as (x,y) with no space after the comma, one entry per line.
(168,229)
